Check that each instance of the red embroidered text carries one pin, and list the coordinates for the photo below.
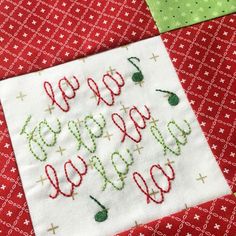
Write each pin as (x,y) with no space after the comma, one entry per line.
(112,85)
(145,189)
(53,178)
(67,89)
(141,124)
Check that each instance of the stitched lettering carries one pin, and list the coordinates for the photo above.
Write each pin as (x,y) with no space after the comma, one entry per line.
(145,189)
(96,162)
(160,139)
(90,143)
(66,94)
(114,90)
(53,178)
(37,137)
(120,123)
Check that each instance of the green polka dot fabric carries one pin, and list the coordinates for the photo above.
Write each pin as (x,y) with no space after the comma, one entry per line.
(172,14)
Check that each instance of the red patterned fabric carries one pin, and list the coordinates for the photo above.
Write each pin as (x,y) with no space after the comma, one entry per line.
(38,34)
(216,218)
(204,56)
(14,213)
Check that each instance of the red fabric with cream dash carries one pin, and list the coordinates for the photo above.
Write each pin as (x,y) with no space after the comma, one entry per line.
(204,56)
(36,35)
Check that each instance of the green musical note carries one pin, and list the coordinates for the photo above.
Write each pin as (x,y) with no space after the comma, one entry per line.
(137,76)
(100,215)
(173,99)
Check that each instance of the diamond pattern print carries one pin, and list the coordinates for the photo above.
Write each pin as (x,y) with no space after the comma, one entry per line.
(205,59)
(39,34)
(207,72)
(36,35)
(211,218)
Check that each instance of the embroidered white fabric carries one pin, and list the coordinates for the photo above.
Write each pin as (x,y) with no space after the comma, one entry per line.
(129,205)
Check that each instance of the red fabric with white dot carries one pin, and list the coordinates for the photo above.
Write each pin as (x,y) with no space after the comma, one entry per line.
(214,218)
(204,56)
(39,34)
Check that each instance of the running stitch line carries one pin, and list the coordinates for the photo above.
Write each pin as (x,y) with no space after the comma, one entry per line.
(55,183)
(138,127)
(156,132)
(146,190)
(94,87)
(49,91)
(36,141)
(55,132)
(74,129)
(95,161)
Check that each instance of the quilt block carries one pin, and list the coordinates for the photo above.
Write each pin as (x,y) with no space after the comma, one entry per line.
(108,143)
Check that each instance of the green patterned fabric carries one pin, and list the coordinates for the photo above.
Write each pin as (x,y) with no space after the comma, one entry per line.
(172,14)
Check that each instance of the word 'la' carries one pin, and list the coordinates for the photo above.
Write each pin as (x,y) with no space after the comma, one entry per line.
(67,91)
(74,177)
(113,88)
(142,184)
(44,135)
(121,170)
(138,123)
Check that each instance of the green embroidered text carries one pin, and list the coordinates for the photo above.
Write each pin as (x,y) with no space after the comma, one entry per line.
(90,143)
(180,138)
(121,172)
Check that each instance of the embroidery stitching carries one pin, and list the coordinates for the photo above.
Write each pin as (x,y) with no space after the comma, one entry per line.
(146,191)
(25,125)
(56,183)
(74,129)
(94,87)
(173,99)
(137,76)
(49,91)
(155,131)
(121,175)
(127,164)
(101,215)
(33,140)
(139,122)
(55,132)
(137,126)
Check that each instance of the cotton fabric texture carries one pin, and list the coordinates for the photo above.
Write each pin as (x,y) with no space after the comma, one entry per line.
(170,14)
(195,159)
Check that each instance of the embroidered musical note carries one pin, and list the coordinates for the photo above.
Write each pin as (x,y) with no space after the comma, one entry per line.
(173,99)
(137,76)
(100,215)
